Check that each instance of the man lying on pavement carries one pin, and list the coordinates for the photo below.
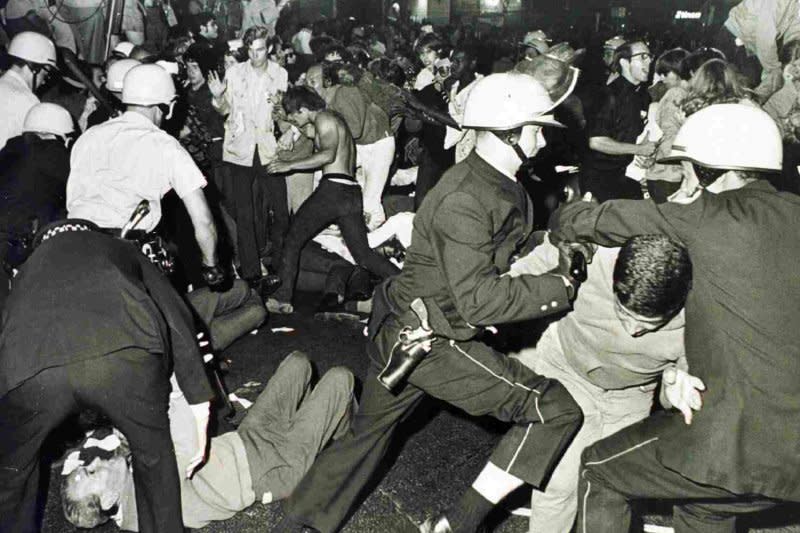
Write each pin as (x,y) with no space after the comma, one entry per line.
(262,460)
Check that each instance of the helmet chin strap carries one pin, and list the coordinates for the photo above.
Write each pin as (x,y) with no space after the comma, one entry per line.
(518,150)
(504,136)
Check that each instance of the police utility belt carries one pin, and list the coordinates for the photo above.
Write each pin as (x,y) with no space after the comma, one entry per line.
(152,246)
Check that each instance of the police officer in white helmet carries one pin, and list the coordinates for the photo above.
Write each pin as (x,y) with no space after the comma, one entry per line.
(33,179)
(33,58)
(117,164)
(466,232)
(95,113)
(739,453)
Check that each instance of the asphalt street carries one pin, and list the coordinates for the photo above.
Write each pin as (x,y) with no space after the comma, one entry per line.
(438,453)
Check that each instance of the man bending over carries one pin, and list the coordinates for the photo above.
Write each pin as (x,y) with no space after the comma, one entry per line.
(625,331)
(337,199)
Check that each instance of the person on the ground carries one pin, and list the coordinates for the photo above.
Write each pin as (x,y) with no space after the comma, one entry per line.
(247,96)
(337,199)
(227,315)
(624,332)
(614,129)
(742,335)
(33,59)
(115,326)
(261,461)
(117,164)
(465,233)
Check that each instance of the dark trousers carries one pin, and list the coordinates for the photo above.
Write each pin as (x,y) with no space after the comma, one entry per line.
(468,375)
(625,467)
(338,203)
(228,315)
(329,272)
(272,203)
(131,388)
(431,168)
(257,202)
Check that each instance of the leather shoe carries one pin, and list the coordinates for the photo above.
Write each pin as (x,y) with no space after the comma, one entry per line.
(270,284)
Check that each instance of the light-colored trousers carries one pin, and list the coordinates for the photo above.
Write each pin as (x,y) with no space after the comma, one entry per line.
(373,162)
(604,413)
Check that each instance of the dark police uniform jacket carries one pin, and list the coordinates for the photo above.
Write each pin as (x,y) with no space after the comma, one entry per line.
(85,294)
(466,232)
(742,329)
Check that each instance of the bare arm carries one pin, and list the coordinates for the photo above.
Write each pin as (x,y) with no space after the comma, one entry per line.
(607,145)
(327,139)
(205,231)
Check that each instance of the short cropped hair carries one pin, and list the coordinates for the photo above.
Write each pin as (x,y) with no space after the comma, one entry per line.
(652,276)
(625,51)
(301,96)
(254,33)
(670,61)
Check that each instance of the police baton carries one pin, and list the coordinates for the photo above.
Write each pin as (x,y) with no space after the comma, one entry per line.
(141,211)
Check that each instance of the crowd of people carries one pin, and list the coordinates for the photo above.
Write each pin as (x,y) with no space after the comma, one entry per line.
(634,194)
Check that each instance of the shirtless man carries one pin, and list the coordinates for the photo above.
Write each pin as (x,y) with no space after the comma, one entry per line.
(337,199)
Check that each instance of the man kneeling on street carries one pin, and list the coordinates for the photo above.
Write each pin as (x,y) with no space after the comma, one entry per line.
(263,459)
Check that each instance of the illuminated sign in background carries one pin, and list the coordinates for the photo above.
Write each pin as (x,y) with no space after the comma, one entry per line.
(688,15)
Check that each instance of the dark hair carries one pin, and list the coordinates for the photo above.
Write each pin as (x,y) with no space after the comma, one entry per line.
(670,61)
(625,51)
(203,55)
(344,74)
(301,96)
(395,75)
(199,20)
(254,33)
(693,61)
(790,52)
(652,276)
(337,48)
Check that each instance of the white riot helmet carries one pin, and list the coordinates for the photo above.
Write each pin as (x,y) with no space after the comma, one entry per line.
(729,137)
(48,118)
(34,48)
(116,73)
(148,85)
(507,101)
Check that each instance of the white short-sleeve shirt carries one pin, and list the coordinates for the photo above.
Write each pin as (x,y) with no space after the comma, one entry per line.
(117,164)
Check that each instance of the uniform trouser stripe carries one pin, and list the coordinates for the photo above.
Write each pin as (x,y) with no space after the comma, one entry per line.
(495,374)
